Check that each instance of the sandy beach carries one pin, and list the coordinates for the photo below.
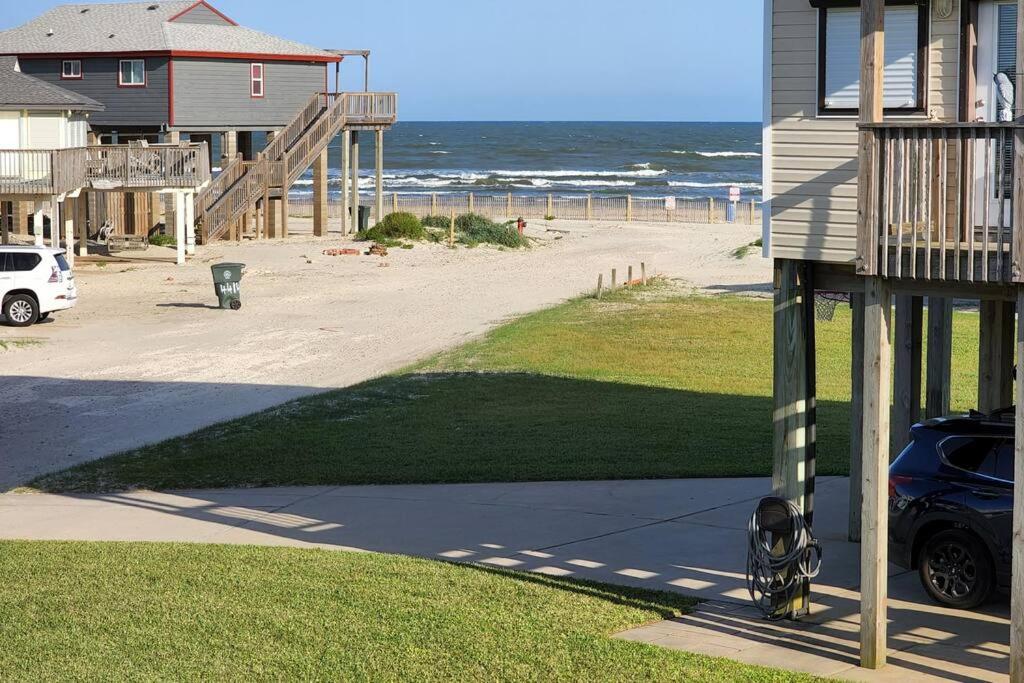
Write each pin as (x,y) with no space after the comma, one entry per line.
(146,355)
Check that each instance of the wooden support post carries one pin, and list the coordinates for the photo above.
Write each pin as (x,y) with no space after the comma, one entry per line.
(614,278)
(433,203)
(643,273)
(284,214)
(856,412)
(1017,229)
(508,206)
(711,209)
(551,207)
(355,180)
(940,356)
(1017,579)
(394,202)
(68,223)
(320,195)
(379,185)
(55,222)
(875,471)
(37,224)
(472,203)
(794,418)
(629,276)
(348,222)
(906,409)
(600,284)
(82,223)
(629,208)
(995,356)
(451,231)
(179,227)
(792,340)
(190,223)
(273,206)
(590,207)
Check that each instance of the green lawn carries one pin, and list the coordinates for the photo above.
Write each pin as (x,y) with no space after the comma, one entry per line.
(640,384)
(137,611)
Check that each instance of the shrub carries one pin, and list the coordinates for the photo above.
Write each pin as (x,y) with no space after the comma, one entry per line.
(473,229)
(161,240)
(400,225)
(437,221)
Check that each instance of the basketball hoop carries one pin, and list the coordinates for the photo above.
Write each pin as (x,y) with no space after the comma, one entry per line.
(825,304)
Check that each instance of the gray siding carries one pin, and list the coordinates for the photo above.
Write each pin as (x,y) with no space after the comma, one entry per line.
(124,106)
(813,188)
(201,14)
(215,92)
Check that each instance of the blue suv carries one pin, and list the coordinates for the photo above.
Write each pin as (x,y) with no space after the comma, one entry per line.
(951,506)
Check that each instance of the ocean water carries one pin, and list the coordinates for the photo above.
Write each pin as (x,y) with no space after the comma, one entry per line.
(563,158)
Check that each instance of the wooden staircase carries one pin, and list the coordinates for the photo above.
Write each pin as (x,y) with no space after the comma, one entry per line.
(241,184)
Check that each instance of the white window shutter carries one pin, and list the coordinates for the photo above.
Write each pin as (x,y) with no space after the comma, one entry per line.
(842,58)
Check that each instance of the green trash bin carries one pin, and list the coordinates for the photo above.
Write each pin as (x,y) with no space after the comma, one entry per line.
(363,223)
(227,283)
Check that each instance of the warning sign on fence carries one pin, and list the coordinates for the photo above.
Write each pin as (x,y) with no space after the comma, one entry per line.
(670,203)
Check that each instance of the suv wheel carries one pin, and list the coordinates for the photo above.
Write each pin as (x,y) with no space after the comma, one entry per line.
(956,570)
(21,310)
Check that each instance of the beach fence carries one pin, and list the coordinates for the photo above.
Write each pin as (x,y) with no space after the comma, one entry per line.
(626,208)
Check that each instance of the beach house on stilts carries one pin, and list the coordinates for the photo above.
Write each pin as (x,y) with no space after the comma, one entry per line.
(894,172)
(169,72)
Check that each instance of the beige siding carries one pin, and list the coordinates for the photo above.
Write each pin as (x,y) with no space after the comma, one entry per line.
(813,188)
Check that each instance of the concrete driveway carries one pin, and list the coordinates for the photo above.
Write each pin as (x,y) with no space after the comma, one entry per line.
(683,535)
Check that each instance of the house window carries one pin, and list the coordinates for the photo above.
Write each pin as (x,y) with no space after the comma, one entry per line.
(839,58)
(71,69)
(131,73)
(256,80)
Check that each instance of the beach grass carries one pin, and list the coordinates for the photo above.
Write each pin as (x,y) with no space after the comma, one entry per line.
(148,611)
(643,383)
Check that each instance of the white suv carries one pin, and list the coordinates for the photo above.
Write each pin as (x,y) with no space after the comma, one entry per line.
(34,282)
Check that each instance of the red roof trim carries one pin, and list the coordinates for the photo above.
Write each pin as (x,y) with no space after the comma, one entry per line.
(255,56)
(209,7)
(247,56)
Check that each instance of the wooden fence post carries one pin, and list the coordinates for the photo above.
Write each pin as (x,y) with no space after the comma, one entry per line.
(394,202)
(753,212)
(643,273)
(590,207)
(711,209)
(600,284)
(508,206)
(471,202)
(629,208)
(613,278)
(451,231)
(433,203)
(551,207)
(629,277)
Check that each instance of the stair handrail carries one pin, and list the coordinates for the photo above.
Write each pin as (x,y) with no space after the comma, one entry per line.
(287,136)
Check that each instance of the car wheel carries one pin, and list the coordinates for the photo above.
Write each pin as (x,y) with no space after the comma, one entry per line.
(21,310)
(956,570)
(235,304)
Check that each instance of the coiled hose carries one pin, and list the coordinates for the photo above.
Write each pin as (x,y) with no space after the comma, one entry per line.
(774,578)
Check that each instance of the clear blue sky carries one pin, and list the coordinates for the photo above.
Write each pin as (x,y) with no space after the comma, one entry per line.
(609,60)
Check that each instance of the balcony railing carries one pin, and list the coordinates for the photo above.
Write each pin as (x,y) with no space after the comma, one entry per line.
(121,167)
(940,202)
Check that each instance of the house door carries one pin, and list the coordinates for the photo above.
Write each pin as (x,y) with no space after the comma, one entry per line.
(997,55)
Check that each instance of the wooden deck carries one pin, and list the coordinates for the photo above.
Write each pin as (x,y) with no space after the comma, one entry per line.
(25,172)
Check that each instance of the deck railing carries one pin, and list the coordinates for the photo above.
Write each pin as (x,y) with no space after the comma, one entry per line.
(940,202)
(56,171)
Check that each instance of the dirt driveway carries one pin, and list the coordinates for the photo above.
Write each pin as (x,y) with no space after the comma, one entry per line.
(146,356)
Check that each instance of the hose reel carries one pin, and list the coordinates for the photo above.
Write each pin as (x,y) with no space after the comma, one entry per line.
(782,557)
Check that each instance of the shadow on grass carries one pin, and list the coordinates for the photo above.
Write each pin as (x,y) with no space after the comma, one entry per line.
(469,427)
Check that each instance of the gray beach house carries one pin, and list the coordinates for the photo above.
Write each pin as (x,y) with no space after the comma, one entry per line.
(169,67)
